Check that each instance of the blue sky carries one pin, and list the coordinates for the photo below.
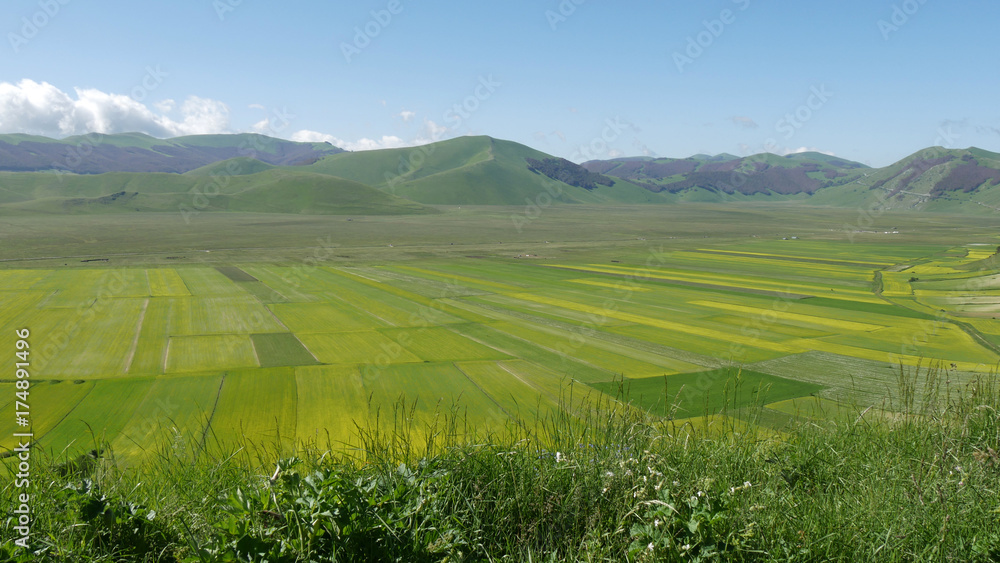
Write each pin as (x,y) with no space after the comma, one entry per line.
(868,80)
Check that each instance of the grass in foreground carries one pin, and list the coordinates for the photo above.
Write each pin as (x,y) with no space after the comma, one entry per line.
(921,485)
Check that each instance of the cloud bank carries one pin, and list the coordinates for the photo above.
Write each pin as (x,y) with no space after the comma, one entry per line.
(39,108)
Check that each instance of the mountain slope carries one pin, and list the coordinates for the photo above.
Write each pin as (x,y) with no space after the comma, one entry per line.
(136,152)
(270,191)
(934,179)
(470,170)
(764,174)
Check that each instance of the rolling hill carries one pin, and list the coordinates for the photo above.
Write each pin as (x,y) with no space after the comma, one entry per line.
(702,176)
(934,179)
(268,191)
(135,172)
(470,170)
(136,152)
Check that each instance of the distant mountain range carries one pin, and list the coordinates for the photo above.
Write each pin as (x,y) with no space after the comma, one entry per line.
(248,172)
(759,174)
(136,152)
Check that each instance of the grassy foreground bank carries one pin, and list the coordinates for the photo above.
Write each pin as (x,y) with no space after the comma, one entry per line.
(920,484)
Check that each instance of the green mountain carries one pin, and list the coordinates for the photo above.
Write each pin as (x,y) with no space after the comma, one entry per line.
(269,191)
(471,171)
(705,178)
(239,166)
(255,173)
(934,179)
(136,152)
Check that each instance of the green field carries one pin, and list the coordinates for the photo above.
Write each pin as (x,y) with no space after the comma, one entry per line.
(312,342)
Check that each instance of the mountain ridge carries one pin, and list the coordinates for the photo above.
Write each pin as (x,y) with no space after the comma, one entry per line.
(482,170)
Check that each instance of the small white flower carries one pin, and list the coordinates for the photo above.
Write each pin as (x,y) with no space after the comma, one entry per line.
(686,546)
(558,457)
(656,523)
(650,546)
(610,474)
(746,484)
(701,493)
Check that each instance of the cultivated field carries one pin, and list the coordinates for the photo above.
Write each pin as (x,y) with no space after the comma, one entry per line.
(136,355)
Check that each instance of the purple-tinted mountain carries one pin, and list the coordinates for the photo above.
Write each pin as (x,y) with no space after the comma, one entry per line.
(136,152)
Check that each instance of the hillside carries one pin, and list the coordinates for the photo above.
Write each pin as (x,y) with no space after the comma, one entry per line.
(269,191)
(137,152)
(934,179)
(470,170)
(702,176)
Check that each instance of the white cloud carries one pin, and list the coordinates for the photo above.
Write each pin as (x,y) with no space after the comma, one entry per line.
(787,151)
(431,132)
(386,142)
(43,109)
(257,106)
(407,115)
(165,106)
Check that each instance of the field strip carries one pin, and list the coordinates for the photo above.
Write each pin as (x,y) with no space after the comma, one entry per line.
(467,279)
(166,354)
(487,344)
(276,319)
(355,273)
(502,314)
(537,345)
(211,417)
(135,341)
(593,341)
(68,412)
(609,285)
(749,282)
(785,315)
(256,356)
(353,306)
(658,323)
(517,376)
(304,347)
(786,258)
(483,391)
(607,271)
